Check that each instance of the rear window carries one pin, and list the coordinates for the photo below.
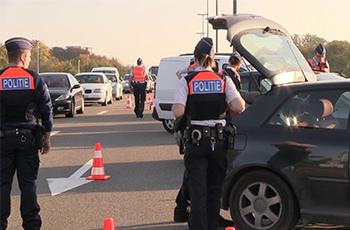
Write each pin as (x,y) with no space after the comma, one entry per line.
(55,81)
(104,71)
(89,79)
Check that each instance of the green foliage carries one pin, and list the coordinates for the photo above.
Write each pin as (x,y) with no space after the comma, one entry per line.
(338,52)
(59,59)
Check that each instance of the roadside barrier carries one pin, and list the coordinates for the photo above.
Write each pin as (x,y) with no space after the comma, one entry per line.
(98,171)
(108,224)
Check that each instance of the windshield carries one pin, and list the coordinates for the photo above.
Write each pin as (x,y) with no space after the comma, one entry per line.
(89,79)
(111,77)
(127,77)
(56,81)
(273,50)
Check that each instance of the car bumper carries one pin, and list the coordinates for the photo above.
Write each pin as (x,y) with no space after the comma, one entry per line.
(94,98)
(61,106)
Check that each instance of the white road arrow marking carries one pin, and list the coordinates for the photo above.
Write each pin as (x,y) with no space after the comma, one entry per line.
(103,112)
(60,185)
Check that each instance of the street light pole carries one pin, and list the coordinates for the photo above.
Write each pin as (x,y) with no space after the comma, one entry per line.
(217,32)
(202,22)
(38,58)
(207,16)
(79,66)
(234,6)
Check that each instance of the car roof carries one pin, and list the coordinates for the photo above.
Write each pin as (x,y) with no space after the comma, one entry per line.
(90,73)
(55,73)
(104,68)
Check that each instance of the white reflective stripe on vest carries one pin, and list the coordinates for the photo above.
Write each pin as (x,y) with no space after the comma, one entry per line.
(210,123)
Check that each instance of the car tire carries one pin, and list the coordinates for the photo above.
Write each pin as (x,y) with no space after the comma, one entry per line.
(105,102)
(72,109)
(265,196)
(168,125)
(82,108)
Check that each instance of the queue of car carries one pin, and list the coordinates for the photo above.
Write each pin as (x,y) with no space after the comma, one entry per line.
(69,93)
(291,159)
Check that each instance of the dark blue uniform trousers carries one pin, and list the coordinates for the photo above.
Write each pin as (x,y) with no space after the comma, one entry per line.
(140,98)
(206,171)
(18,155)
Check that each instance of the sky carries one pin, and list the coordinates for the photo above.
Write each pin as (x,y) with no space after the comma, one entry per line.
(153,29)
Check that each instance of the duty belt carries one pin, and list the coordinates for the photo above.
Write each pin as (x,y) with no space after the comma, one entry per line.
(12,132)
(196,133)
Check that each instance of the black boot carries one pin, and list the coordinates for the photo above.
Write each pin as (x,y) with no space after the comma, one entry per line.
(225,223)
(180,214)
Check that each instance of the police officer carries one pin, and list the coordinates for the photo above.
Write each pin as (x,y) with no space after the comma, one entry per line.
(24,98)
(202,97)
(232,70)
(139,84)
(319,62)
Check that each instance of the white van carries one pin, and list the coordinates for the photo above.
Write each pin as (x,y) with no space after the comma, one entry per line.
(112,74)
(167,81)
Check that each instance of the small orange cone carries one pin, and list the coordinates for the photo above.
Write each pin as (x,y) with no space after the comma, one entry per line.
(149,101)
(128,102)
(98,171)
(230,228)
(108,224)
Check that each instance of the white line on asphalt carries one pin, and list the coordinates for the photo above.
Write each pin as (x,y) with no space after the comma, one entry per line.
(102,112)
(53,133)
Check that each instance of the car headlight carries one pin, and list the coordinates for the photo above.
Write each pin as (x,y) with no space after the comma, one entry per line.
(63,97)
(98,90)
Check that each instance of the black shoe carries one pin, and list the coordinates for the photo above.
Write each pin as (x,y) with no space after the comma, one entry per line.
(180,214)
(141,116)
(225,223)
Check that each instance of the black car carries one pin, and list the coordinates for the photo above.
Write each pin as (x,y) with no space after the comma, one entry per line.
(291,155)
(66,93)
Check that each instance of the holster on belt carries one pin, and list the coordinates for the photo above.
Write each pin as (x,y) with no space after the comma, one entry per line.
(38,134)
(230,132)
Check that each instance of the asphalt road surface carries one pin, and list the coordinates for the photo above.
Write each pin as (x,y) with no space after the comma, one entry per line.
(139,155)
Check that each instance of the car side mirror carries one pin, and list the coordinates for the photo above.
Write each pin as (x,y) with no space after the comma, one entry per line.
(265,85)
(76,86)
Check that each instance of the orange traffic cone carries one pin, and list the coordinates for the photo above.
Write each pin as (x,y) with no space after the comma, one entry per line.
(128,102)
(98,171)
(230,228)
(149,101)
(108,224)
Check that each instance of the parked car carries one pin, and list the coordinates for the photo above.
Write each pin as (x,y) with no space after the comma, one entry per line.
(113,75)
(166,84)
(67,95)
(97,88)
(126,83)
(291,154)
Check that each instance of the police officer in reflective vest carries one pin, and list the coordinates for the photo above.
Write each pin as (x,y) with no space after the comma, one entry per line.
(319,62)
(24,98)
(139,83)
(203,97)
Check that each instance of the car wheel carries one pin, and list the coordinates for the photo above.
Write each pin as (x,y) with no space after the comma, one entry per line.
(168,125)
(105,102)
(82,109)
(72,109)
(261,200)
